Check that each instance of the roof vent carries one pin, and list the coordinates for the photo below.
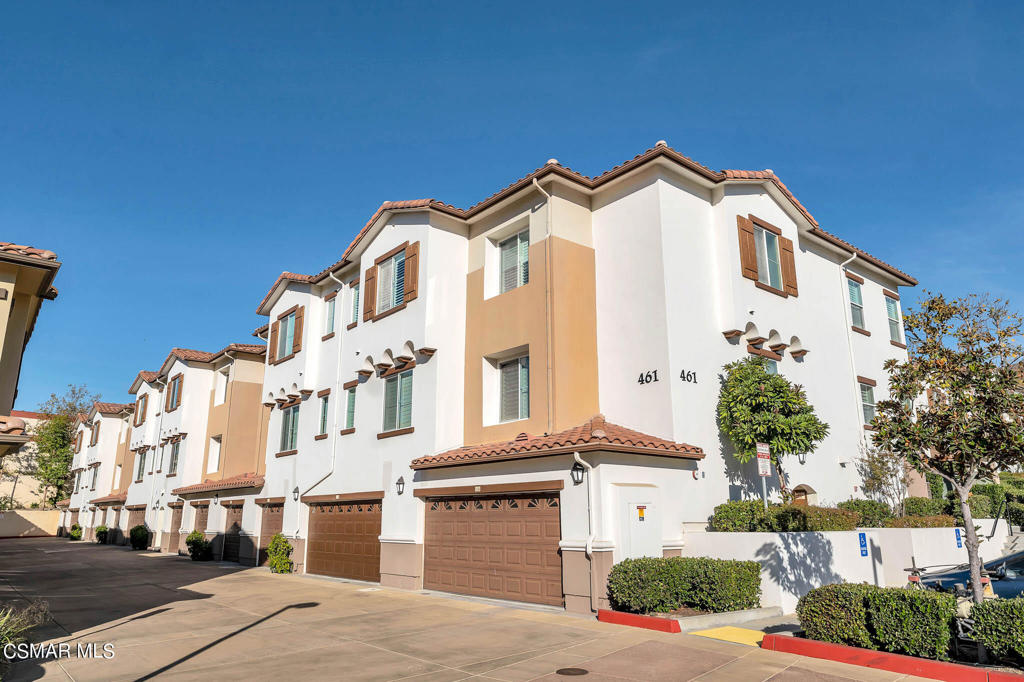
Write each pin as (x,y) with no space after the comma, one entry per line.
(551,162)
(661,143)
(522,437)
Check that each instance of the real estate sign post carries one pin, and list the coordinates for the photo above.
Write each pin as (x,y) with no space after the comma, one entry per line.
(764,469)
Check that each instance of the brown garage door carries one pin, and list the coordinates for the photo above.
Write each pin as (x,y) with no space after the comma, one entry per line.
(504,547)
(136,517)
(232,530)
(175,534)
(202,517)
(344,540)
(271,525)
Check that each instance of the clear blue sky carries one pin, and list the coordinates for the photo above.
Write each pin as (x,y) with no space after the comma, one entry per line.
(179,156)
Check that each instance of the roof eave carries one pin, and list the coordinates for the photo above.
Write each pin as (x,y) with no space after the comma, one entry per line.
(583,447)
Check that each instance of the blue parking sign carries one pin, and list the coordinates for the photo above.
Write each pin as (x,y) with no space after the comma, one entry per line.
(863,544)
(959,540)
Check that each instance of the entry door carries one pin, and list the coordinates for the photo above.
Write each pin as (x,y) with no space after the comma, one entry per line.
(271,524)
(232,530)
(505,547)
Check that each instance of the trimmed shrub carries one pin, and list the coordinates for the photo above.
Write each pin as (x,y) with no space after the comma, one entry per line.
(999,625)
(1012,479)
(719,585)
(924,506)
(796,518)
(278,552)
(873,514)
(995,492)
(936,486)
(139,537)
(650,584)
(76,532)
(199,548)
(981,508)
(837,614)
(912,622)
(101,534)
(1015,513)
(936,521)
(739,516)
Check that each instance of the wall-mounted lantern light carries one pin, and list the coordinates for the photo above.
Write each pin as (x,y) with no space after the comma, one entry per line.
(295,494)
(400,485)
(577,473)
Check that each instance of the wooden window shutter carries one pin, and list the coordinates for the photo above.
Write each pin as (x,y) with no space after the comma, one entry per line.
(272,350)
(412,271)
(181,387)
(297,339)
(369,293)
(167,397)
(96,434)
(788,266)
(748,253)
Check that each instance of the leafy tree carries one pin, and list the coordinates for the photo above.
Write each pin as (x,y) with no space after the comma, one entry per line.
(757,407)
(885,477)
(54,436)
(965,358)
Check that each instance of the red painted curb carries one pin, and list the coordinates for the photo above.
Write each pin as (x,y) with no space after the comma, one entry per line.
(638,621)
(880,660)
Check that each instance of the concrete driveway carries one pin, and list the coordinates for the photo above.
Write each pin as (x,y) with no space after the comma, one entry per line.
(168,617)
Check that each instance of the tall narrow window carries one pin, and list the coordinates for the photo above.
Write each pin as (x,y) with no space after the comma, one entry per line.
(355,303)
(867,401)
(289,428)
(771,366)
(329,317)
(324,412)
(286,336)
(141,465)
(350,409)
(856,304)
(222,386)
(213,455)
(172,466)
(515,261)
(95,473)
(398,402)
(892,311)
(391,283)
(515,389)
(174,392)
(769,268)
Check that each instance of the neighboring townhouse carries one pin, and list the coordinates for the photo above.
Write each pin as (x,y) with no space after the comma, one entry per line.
(26,280)
(199,425)
(17,485)
(506,400)
(100,436)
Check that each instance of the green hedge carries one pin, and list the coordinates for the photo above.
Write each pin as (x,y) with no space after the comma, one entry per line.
(924,506)
(873,514)
(741,516)
(279,553)
(751,516)
(838,614)
(999,625)
(936,486)
(101,533)
(139,537)
(995,492)
(1015,513)
(199,548)
(76,532)
(936,521)
(905,621)
(912,622)
(652,585)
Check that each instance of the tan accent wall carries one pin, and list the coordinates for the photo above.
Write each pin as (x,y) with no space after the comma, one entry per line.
(517,318)
(126,459)
(401,565)
(17,313)
(242,446)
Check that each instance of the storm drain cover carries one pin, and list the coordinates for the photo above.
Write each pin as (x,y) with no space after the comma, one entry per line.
(571,672)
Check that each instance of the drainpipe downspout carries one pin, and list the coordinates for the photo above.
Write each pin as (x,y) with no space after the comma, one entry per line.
(159,428)
(848,316)
(549,332)
(591,525)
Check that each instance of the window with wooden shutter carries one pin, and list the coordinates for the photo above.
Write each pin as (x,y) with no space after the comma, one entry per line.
(350,409)
(788,266)
(515,389)
(514,261)
(95,433)
(391,282)
(748,250)
(369,292)
(412,271)
(272,346)
(398,402)
(297,339)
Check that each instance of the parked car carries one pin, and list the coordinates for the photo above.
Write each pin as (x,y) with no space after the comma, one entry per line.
(1006,574)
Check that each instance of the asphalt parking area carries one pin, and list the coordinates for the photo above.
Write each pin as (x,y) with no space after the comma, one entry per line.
(169,617)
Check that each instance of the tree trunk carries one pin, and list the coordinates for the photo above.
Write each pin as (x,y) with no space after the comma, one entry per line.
(783,488)
(971,540)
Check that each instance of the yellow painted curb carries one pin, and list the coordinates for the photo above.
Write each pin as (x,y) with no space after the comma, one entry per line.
(729,633)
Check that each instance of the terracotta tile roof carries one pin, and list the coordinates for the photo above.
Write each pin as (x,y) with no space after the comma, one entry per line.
(116,498)
(28,251)
(113,408)
(190,354)
(259,331)
(64,503)
(25,414)
(594,434)
(12,426)
(659,150)
(254,348)
(240,481)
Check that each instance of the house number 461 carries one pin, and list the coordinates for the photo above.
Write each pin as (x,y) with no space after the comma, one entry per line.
(648,377)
